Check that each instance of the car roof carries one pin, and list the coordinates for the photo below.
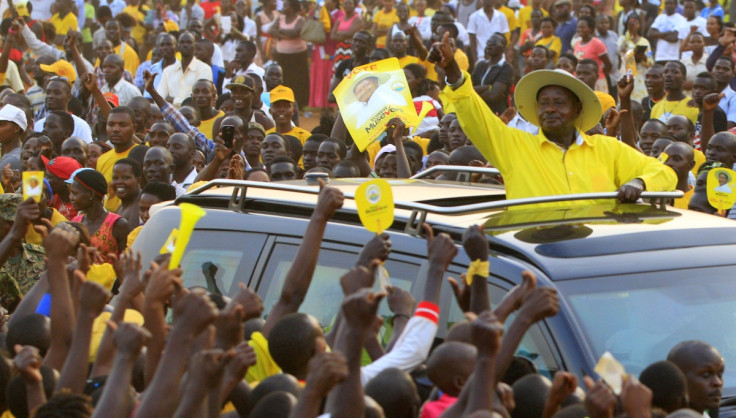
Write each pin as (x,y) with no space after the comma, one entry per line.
(566,241)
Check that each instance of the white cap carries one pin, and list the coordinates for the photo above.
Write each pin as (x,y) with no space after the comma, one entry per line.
(514,4)
(384,150)
(11,113)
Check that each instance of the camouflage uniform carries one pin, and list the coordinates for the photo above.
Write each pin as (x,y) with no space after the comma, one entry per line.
(19,274)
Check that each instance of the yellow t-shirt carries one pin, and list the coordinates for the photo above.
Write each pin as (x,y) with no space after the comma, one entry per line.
(138,32)
(552,43)
(32,237)
(207,126)
(525,17)
(295,131)
(666,108)
(133,235)
(684,201)
(130,58)
(384,20)
(699,159)
(511,18)
(104,165)
(408,59)
(64,25)
(265,365)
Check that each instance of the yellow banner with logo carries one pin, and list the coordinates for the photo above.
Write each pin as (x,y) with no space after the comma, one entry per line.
(370,96)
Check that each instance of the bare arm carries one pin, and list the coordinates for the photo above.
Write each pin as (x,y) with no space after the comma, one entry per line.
(300,274)
(90,83)
(628,132)
(159,289)
(397,132)
(707,129)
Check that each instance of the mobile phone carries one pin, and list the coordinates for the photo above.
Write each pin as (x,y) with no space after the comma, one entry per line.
(228,132)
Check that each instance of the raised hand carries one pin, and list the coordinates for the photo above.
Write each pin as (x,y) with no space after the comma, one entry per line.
(162,283)
(129,271)
(507,115)
(486,334)
(612,120)
(243,358)
(325,370)
(358,278)
(441,53)
(148,77)
(378,247)
(207,367)
(193,312)
(250,301)
(397,130)
(512,301)
(540,303)
(636,399)
(475,243)
(441,249)
(28,212)
(400,301)
(461,291)
(625,86)
(330,200)
(229,325)
(89,81)
(60,242)
(10,178)
(92,298)
(359,309)
(236,170)
(711,101)
(129,338)
(27,362)
(600,400)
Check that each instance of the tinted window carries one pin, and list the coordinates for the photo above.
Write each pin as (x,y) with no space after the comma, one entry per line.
(534,346)
(639,318)
(325,294)
(228,257)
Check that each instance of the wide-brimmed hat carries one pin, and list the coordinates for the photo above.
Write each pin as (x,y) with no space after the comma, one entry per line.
(526,92)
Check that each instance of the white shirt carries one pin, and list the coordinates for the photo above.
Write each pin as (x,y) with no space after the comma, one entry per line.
(187,181)
(728,104)
(41,9)
(698,21)
(177,83)
(424,24)
(81,128)
(669,51)
(124,90)
(362,112)
(116,6)
(197,13)
(217,57)
(483,29)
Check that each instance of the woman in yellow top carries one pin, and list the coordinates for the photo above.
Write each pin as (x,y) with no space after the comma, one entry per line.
(549,40)
(63,20)
(383,21)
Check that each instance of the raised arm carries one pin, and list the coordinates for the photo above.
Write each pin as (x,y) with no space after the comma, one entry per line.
(325,370)
(628,131)
(90,83)
(397,131)
(37,46)
(707,129)
(299,276)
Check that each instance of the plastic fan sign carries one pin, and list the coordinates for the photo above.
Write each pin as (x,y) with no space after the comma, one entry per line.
(33,185)
(611,371)
(370,96)
(721,188)
(375,203)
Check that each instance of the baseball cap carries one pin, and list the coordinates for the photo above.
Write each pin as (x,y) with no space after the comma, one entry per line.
(239,81)
(61,167)
(61,68)
(11,113)
(77,171)
(9,205)
(170,25)
(112,98)
(282,93)
(561,2)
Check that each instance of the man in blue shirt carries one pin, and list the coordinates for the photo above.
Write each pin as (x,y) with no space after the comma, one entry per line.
(567,25)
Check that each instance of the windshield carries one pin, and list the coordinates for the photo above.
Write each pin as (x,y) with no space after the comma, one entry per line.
(639,318)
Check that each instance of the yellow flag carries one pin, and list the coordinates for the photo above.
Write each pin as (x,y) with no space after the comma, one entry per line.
(170,243)
(721,188)
(32,185)
(375,203)
(370,96)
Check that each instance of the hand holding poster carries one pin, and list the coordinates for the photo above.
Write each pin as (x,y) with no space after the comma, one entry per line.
(370,96)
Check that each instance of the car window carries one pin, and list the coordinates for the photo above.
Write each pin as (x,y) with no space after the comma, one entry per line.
(639,318)
(325,294)
(535,347)
(219,260)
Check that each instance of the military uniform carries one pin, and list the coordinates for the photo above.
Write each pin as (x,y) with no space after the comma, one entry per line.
(19,274)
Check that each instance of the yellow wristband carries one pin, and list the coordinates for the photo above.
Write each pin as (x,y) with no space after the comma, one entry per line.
(477,268)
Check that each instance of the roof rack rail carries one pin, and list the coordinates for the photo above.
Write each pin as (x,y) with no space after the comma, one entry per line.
(420,210)
(464,172)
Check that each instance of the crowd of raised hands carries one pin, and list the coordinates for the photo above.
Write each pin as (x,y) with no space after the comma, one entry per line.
(208,358)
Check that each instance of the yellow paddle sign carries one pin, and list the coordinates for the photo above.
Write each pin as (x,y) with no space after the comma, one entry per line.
(721,188)
(375,203)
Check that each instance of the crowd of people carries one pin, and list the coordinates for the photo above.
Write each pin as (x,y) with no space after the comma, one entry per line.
(127,104)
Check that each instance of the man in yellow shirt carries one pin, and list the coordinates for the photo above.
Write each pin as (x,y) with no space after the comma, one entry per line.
(561,159)
(282,110)
(130,58)
(681,129)
(398,49)
(676,102)
(203,95)
(138,32)
(120,130)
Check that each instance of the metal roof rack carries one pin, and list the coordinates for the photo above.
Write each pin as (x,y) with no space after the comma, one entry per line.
(464,172)
(420,210)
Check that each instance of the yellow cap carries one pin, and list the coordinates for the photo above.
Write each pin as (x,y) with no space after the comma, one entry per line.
(22,10)
(61,68)
(282,93)
(606,100)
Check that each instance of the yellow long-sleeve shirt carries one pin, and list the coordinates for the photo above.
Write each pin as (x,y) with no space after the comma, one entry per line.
(534,166)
